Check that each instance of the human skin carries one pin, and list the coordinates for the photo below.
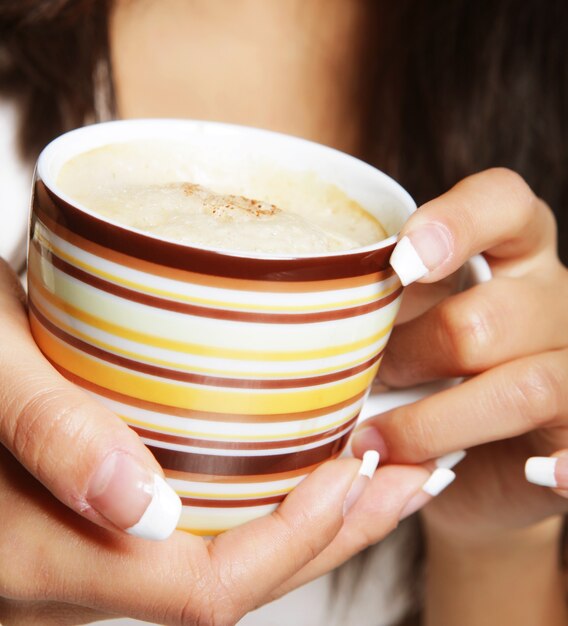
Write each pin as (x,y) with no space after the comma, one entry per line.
(508,337)
(187,581)
(59,568)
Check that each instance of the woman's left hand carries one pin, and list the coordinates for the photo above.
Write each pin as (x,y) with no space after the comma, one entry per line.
(507,336)
(58,568)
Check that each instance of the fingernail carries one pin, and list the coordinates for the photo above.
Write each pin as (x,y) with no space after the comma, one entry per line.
(160,518)
(421,251)
(548,471)
(438,481)
(368,438)
(134,498)
(366,471)
(451,460)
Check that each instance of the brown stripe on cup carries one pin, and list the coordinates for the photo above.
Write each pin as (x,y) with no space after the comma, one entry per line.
(238,284)
(226,503)
(239,444)
(259,479)
(216,313)
(155,407)
(245,465)
(198,379)
(209,262)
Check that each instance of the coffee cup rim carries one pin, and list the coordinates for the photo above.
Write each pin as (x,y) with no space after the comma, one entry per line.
(139,129)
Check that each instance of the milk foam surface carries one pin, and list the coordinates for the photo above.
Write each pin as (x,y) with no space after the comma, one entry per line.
(159,187)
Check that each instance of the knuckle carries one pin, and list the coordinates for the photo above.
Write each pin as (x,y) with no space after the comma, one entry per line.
(211,611)
(513,183)
(218,599)
(506,176)
(367,535)
(303,542)
(311,543)
(467,332)
(228,605)
(225,611)
(548,218)
(421,431)
(537,394)
(518,193)
(41,422)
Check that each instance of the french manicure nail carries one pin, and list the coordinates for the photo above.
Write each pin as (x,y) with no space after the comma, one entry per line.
(421,251)
(366,471)
(547,471)
(436,483)
(134,498)
(160,519)
(451,460)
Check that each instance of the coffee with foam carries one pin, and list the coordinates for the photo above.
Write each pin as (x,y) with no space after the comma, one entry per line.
(156,186)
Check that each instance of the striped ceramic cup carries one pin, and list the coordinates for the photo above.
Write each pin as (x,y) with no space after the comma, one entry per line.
(241,373)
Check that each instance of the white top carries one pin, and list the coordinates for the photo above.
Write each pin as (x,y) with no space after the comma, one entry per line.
(378,600)
(15,180)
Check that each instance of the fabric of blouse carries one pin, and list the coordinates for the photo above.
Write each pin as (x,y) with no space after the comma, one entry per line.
(15,181)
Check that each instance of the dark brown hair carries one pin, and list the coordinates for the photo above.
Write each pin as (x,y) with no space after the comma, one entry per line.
(464,86)
(459,86)
(54,58)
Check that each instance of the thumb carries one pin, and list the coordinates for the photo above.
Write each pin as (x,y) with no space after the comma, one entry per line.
(493,211)
(87,457)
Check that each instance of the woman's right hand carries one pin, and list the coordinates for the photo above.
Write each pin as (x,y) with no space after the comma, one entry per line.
(54,561)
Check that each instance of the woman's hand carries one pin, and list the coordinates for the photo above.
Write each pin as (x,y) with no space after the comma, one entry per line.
(79,450)
(48,553)
(508,337)
(58,567)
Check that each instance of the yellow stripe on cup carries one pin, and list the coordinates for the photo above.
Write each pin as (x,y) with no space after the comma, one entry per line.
(200,349)
(197,369)
(220,437)
(229,305)
(186,396)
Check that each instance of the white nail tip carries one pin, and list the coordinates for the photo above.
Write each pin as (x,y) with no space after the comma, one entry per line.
(406,262)
(451,460)
(540,470)
(438,481)
(160,519)
(369,463)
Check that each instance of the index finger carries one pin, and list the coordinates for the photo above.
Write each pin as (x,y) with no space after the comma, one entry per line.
(510,400)
(494,211)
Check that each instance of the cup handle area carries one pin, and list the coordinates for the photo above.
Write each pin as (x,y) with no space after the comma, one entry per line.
(381,399)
